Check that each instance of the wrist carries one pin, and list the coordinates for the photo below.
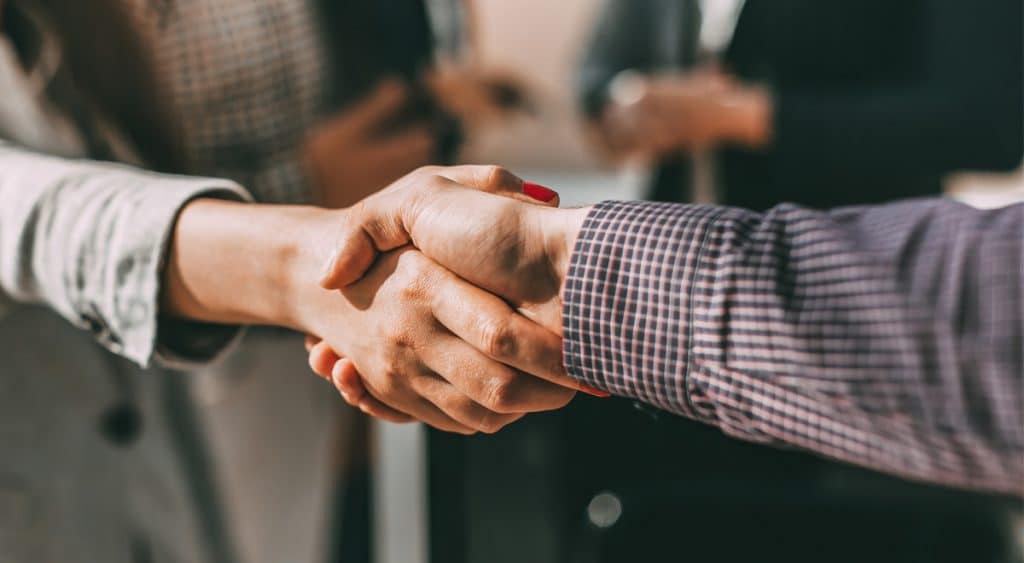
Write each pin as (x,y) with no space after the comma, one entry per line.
(561,228)
(308,240)
(243,263)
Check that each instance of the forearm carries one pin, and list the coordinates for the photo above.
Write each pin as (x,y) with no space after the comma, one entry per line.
(244,263)
(887,337)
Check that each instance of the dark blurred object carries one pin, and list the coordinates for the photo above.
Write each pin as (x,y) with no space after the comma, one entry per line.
(665,521)
(353,511)
(373,41)
(874,100)
(605,482)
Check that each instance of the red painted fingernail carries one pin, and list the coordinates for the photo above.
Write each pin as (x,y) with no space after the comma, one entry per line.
(595,392)
(539,192)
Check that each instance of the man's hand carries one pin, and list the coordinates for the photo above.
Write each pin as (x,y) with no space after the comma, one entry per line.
(349,158)
(430,345)
(508,245)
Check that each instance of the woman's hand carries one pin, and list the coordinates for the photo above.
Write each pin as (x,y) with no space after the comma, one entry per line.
(429,343)
(510,246)
(516,249)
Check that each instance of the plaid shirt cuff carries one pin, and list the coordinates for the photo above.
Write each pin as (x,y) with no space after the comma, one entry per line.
(627,299)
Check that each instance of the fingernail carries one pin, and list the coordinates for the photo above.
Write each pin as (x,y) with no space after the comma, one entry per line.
(595,392)
(539,192)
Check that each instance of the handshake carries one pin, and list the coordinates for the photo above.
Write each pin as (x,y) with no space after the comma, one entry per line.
(456,273)
(440,299)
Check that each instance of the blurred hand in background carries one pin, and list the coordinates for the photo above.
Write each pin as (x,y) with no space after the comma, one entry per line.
(356,153)
(652,115)
(478,96)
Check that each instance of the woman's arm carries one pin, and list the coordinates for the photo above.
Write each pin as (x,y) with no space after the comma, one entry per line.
(88,239)
(132,255)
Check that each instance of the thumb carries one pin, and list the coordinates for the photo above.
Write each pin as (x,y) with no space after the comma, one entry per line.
(382,222)
(375,225)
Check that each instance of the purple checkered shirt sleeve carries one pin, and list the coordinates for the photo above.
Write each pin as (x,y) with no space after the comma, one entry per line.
(889,336)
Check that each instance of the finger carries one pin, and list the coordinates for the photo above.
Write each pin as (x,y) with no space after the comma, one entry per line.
(489,324)
(310,341)
(400,396)
(352,255)
(459,407)
(491,384)
(381,222)
(349,383)
(322,359)
(378,224)
(372,407)
(498,180)
(502,183)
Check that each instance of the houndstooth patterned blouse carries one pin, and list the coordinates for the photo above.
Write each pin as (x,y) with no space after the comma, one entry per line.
(247,79)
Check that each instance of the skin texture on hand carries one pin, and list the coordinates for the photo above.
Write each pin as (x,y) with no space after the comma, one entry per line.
(509,245)
(433,346)
(517,250)
(425,340)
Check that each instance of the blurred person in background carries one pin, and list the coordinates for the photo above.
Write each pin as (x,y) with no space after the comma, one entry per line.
(299,102)
(821,104)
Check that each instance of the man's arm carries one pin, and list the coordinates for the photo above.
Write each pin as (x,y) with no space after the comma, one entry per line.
(889,337)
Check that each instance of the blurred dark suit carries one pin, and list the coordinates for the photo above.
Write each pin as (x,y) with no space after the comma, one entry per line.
(875,100)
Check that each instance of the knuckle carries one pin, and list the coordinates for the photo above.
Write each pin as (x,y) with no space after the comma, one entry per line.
(414,276)
(392,379)
(415,267)
(501,396)
(428,170)
(491,423)
(412,290)
(472,415)
(497,339)
(499,176)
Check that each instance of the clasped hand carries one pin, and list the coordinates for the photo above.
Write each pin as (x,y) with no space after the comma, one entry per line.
(453,279)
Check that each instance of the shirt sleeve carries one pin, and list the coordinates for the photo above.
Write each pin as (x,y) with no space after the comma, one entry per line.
(88,239)
(889,336)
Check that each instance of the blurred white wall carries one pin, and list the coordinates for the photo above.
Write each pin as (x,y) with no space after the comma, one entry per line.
(540,41)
